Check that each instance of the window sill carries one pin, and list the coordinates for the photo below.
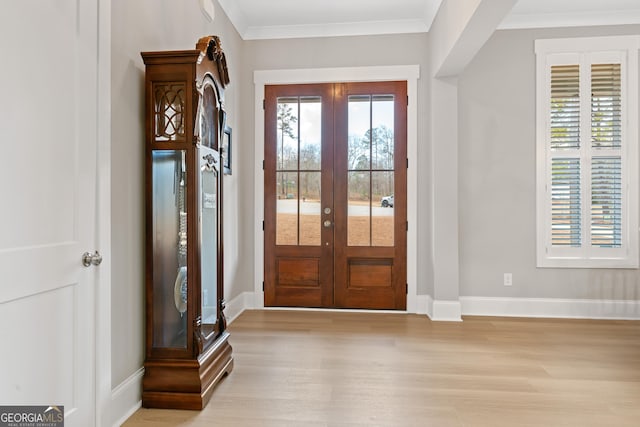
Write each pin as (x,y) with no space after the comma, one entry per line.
(595,263)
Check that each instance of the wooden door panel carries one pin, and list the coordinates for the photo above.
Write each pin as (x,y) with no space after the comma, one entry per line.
(293,296)
(298,271)
(370,283)
(297,281)
(368,273)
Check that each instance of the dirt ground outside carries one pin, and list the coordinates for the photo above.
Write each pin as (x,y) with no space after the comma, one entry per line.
(361,232)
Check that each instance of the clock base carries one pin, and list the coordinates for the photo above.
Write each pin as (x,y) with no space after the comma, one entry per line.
(186,384)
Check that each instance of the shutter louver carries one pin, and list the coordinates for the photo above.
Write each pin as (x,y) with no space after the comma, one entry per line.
(605,106)
(606,172)
(606,201)
(566,199)
(565,107)
(566,205)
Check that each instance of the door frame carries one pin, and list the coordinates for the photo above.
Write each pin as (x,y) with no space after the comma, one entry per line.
(409,73)
(103,392)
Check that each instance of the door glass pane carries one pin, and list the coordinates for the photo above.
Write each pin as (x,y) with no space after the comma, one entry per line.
(287,134)
(287,208)
(299,148)
(382,212)
(310,133)
(208,235)
(169,248)
(371,148)
(382,144)
(310,208)
(359,147)
(359,209)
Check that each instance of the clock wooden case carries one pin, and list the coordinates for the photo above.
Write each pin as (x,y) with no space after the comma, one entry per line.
(187,348)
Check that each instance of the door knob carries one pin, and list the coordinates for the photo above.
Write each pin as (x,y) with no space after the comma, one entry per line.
(327,223)
(91,259)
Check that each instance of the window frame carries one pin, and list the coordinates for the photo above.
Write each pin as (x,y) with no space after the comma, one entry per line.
(585,52)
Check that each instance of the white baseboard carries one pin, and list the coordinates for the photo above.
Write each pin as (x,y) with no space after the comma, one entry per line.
(446,311)
(237,305)
(551,307)
(441,310)
(126,398)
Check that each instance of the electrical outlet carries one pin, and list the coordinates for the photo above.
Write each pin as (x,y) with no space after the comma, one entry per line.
(508,279)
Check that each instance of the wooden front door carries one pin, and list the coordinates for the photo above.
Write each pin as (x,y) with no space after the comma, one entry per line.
(335,195)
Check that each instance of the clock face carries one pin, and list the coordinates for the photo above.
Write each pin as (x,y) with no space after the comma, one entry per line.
(180,290)
(208,118)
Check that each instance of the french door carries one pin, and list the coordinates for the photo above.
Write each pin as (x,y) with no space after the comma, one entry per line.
(335,195)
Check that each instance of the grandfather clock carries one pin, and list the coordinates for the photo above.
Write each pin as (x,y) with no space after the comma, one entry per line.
(187,348)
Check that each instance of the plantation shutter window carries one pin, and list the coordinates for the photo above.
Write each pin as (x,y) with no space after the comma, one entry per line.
(587,152)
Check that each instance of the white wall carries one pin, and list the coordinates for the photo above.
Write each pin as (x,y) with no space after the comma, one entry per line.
(497,178)
(148,25)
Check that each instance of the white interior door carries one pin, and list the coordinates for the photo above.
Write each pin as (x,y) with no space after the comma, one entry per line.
(48,88)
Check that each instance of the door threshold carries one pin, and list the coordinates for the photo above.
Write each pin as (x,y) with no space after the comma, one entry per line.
(337,310)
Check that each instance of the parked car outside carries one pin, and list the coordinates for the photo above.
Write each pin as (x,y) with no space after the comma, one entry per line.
(387,201)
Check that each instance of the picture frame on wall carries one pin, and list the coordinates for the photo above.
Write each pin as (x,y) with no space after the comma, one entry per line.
(226,150)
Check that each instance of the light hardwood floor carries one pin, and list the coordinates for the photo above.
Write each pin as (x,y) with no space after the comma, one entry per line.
(307,368)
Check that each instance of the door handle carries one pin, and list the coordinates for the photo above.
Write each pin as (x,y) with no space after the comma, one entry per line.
(327,223)
(89,259)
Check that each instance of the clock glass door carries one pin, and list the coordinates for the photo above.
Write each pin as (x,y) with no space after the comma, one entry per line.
(169,230)
(208,222)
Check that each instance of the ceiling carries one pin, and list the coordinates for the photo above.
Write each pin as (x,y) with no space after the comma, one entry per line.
(273,19)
